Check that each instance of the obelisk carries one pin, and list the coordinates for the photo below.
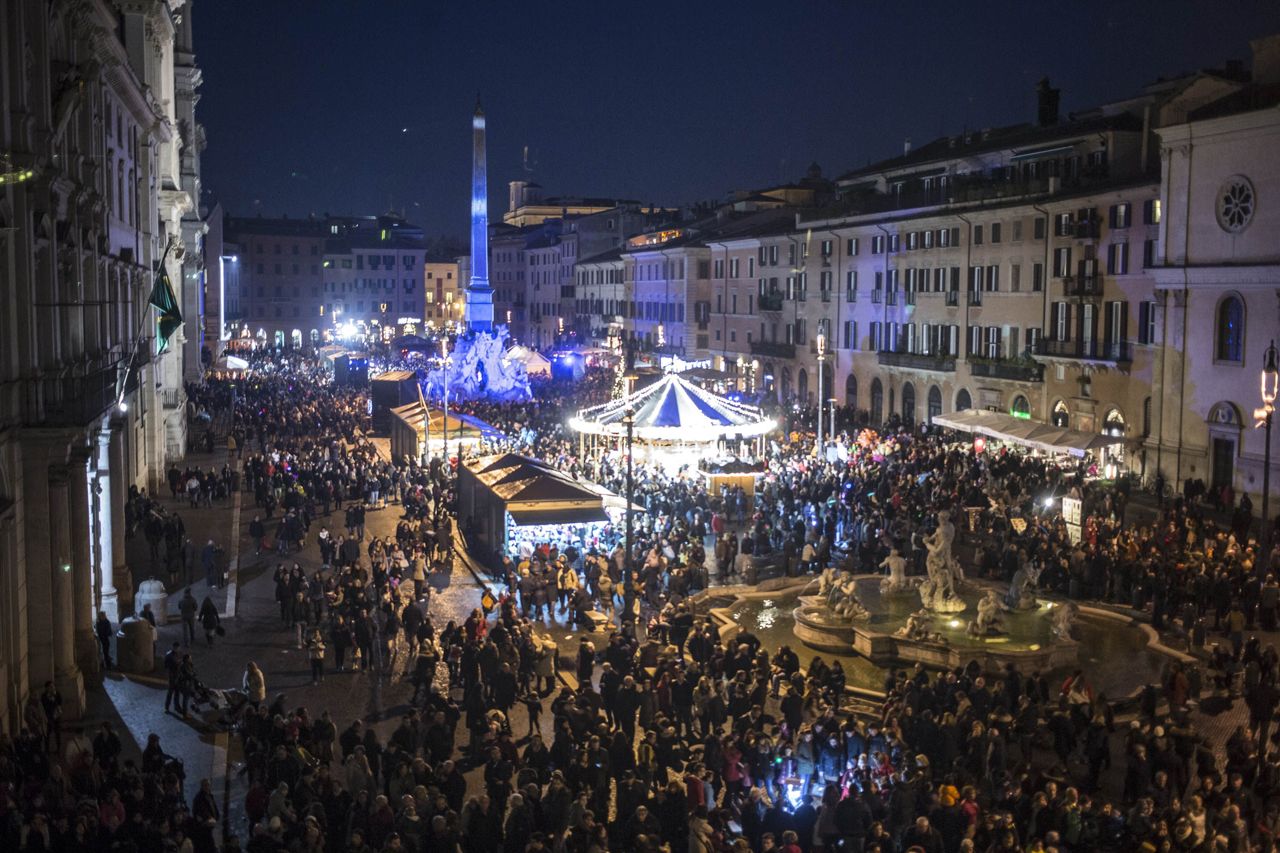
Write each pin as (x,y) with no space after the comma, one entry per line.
(479,293)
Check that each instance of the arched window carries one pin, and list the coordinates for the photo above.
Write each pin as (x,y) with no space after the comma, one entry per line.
(851,391)
(1230,330)
(877,401)
(1061,415)
(935,402)
(802,386)
(963,400)
(1146,417)
(908,403)
(1113,423)
(1020,406)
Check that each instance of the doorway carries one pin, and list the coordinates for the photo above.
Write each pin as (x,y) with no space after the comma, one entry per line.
(1224,462)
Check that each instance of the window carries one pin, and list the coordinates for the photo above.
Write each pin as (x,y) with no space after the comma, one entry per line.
(1120,215)
(977,235)
(1017,230)
(850,333)
(1037,277)
(1230,343)
(851,286)
(1060,321)
(877,244)
(928,239)
(719,269)
(1063,228)
(1062,262)
(913,240)
(1146,322)
(1151,211)
(993,342)
(944,238)
(751,267)
(995,232)
(895,242)
(993,277)
(1118,259)
(733,268)
(850,248)
(1015,277)
(1037,230)
(1148,254)
(826,248)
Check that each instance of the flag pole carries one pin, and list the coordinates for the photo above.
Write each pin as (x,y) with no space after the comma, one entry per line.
(123,381)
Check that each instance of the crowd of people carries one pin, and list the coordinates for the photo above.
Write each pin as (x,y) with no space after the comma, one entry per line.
(665,730)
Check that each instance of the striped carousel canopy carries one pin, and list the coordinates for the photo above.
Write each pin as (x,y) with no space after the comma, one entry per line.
(674,409)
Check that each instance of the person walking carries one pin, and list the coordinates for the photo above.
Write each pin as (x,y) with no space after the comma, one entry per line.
(209,560)
(172,667)
(315,653)
(255,684)
(209,619)
(102,630)
(187,609)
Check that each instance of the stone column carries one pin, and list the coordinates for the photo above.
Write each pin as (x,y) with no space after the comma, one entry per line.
(83,614)
(119,491)
(36,452)
(66,673)
(105,598)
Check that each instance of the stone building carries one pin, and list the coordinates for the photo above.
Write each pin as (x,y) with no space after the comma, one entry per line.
(99,159)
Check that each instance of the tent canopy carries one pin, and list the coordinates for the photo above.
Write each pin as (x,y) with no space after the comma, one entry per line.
(675,409)
(471,429)
(1041,436)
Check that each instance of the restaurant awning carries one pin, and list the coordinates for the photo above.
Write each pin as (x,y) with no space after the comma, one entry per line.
(1040,436)
(571,515)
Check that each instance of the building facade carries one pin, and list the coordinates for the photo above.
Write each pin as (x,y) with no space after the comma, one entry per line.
(99,156)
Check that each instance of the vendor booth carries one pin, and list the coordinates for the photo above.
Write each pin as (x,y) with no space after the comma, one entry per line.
(675,423)
(414,437)
(510,504)
(1033,434)
(535,363)
(732,473)
(388,391)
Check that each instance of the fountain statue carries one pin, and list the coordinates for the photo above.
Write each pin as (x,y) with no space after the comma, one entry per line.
(479,367)
(825,620)
(917,628)
(939,590)
(896,581)
(990,618)
(1019,596)
(1064,619)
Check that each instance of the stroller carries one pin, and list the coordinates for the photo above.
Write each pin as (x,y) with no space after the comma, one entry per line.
(221,709)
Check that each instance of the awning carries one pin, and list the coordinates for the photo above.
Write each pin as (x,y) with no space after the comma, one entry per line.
(1034,434)
(579,515)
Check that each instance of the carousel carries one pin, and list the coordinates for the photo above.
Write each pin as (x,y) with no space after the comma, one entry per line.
(674,423)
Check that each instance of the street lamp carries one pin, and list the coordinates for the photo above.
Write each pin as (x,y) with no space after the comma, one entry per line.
(831,434)
(628,593)
(444,424)
(822,352)
(1264,416)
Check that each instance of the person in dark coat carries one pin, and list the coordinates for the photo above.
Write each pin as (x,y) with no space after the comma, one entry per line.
(209,619)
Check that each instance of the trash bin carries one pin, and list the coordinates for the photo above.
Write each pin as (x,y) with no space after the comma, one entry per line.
(153,592)
(136,646)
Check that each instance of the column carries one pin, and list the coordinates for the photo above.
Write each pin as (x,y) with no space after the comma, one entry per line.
(123,586)
(105,596)
(39,561)
(62,588)
(79,495)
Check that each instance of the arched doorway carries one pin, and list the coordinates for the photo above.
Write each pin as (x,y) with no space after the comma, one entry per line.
(1113,456)
(1021,407)
(1113,423)
(1061,416)
(278,341)
(877,402)
(851,391)
(908,403)
(295,339)
(963,400)
(802,386)
(785,382)
(935,402)
(315,337)
(1224,424)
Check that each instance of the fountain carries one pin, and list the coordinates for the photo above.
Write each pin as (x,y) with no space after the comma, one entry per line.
(480,367)
(825,621)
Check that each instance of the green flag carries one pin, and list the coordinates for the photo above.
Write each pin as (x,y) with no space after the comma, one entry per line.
(166,303)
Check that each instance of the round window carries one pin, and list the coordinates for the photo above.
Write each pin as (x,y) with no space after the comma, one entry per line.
(1236,203)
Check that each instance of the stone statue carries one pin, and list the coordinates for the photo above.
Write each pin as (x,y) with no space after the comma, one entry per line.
(1019,596)
(938,592)
(1064,619)
(843,599)
(990,618)
(917,628)
(827,580)
(479,367)
(897,578)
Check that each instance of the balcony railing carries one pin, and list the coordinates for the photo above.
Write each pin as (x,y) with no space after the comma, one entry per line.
(877,295)
(918,361)
(826,295)
(953,298)
(1011,370)
(770,302)
(773,349)
(1083,285)
(1113,351)
(975,296)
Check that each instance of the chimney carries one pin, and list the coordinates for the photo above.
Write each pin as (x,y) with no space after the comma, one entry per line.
(1266,60)
(1046,103)
(906,146)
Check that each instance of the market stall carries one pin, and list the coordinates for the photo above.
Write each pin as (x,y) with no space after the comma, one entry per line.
(412,435)
(1033,434)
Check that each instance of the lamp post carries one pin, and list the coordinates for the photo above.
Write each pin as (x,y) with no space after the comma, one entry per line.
(628,594)
(444,381)
(1263,417)
(822,352)
(831,433)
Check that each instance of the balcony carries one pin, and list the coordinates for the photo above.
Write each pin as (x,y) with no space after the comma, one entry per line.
(918,361)
(1082,286)
(172,398)
(1113,351)
(1014,371)
(770,302)
(1086,229)
(773,349)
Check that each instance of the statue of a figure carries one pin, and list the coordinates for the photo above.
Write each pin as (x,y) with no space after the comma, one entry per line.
(843,599)
(1019,596)
(1064,619)
(897,578)
(827,580)
(938,592)
(990,618)
(917,628)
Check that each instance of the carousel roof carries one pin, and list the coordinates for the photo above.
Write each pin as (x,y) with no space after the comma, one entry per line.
(674,409)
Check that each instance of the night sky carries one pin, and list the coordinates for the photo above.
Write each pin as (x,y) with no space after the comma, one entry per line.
(355,106)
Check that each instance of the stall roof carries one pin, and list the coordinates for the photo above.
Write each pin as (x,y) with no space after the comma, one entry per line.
(471,428)
(674,409)
(1041,436)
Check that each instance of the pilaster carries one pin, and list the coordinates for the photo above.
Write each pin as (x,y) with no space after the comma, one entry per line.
(78,495)
(62,593)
